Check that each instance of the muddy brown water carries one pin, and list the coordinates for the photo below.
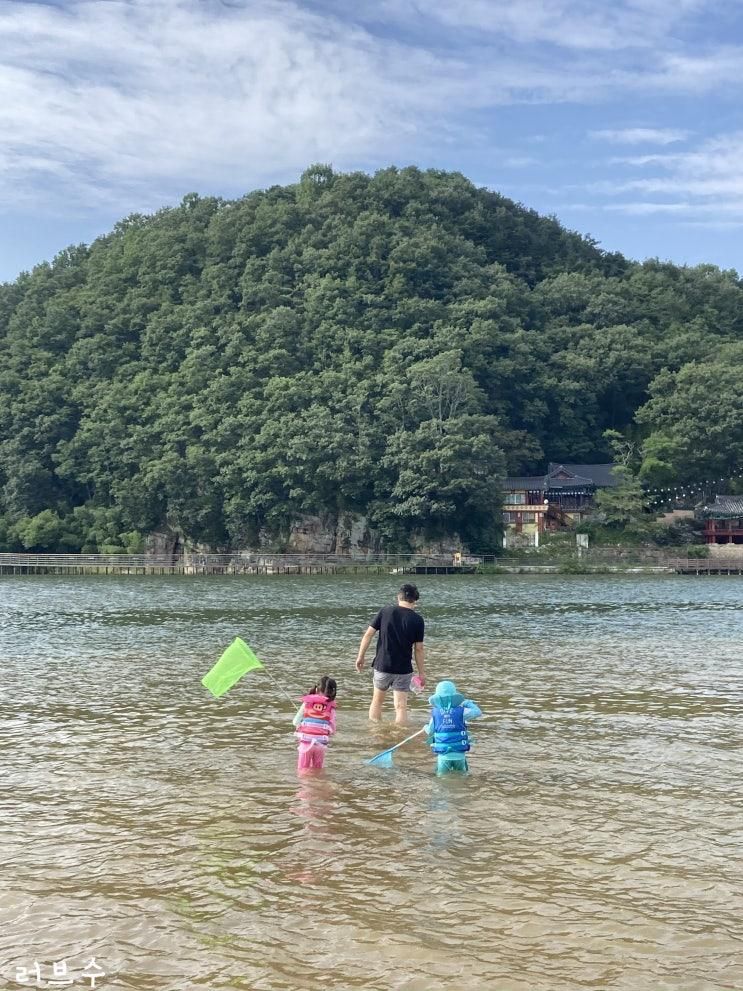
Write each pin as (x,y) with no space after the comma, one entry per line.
(596,843)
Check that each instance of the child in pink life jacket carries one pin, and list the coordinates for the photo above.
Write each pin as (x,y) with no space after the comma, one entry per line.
(315,724)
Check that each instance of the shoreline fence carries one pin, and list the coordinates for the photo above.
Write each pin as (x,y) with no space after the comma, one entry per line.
(263,563)
(244,563)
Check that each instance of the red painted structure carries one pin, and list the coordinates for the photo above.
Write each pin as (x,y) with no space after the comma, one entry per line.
(723,520)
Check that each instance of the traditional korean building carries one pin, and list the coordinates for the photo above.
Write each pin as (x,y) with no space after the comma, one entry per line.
(723,520)
(533,504)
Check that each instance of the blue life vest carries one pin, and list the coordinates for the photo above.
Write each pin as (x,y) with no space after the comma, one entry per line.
(449,731)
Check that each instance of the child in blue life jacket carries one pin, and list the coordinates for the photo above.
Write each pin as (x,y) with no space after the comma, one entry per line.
(447,727)
(315,724)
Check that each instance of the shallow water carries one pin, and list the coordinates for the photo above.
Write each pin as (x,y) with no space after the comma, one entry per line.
(597,842)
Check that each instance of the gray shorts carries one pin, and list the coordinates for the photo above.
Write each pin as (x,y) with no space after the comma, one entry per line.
(397,682)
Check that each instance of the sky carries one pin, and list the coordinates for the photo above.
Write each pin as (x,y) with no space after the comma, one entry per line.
(624,119)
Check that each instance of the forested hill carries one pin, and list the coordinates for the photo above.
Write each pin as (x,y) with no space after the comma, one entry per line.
(386,346)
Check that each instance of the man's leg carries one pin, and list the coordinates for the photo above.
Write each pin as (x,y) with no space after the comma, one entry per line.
(401,706)
(375,709)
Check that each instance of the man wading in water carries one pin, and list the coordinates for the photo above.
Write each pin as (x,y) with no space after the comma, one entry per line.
(400,631)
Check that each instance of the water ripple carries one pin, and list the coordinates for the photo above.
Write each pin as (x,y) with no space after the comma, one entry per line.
(596,843)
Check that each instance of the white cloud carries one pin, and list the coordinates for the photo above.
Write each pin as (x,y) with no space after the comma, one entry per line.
(153,94)
(720,186)
(716,165)
(640,160)
(716,225)
(699,72)
(686,214)
(125,103)
(643,209)
(590,25)
(707,181)
(108,100)
(520,161)
(641,135)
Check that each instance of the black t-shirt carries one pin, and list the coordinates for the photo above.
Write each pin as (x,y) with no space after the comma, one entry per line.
(399,628)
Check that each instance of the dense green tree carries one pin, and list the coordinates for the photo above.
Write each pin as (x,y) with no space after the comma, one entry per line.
(695,420)
(626,503)
(384,345)
(623,504)
(446,480)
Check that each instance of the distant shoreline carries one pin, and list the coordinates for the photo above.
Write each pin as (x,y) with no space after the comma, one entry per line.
(259,563)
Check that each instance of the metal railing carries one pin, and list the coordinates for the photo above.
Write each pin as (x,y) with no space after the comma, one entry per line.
(75,560)
(248,560)
(239,558)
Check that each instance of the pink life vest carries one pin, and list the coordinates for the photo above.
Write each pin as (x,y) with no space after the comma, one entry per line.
(318,715)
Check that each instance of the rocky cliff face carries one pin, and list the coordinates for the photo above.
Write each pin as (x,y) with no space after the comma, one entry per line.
(343,534)
(164,544)
(351,534)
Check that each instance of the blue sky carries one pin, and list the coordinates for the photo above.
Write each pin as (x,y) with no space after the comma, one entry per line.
(622,118)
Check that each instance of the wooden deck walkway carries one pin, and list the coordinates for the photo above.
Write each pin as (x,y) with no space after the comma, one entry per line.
(436,569)
(709,566)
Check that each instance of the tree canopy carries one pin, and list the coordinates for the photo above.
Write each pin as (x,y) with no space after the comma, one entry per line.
(384,345)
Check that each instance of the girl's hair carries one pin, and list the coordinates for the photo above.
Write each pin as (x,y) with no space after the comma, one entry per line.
(326,686)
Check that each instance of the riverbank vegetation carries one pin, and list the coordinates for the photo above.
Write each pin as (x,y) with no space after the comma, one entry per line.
(384,346)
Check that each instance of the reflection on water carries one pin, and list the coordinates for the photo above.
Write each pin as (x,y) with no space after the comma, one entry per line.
(596,842)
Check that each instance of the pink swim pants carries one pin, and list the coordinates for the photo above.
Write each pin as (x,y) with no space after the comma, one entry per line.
(310,756)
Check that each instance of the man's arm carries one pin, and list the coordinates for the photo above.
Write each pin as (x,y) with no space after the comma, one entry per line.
(364,646)
(420,662)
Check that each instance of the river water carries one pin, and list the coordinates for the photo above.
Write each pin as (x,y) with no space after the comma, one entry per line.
(596,843)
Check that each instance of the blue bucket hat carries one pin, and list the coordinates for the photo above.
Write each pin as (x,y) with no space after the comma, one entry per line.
(447,696)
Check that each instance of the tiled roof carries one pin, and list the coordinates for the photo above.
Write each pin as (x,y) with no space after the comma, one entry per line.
(601,475)
(580,476)
(575,481)
(524,482)
(724,507)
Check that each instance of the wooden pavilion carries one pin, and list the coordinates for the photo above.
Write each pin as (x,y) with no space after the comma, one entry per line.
(723,520)
(560,498)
